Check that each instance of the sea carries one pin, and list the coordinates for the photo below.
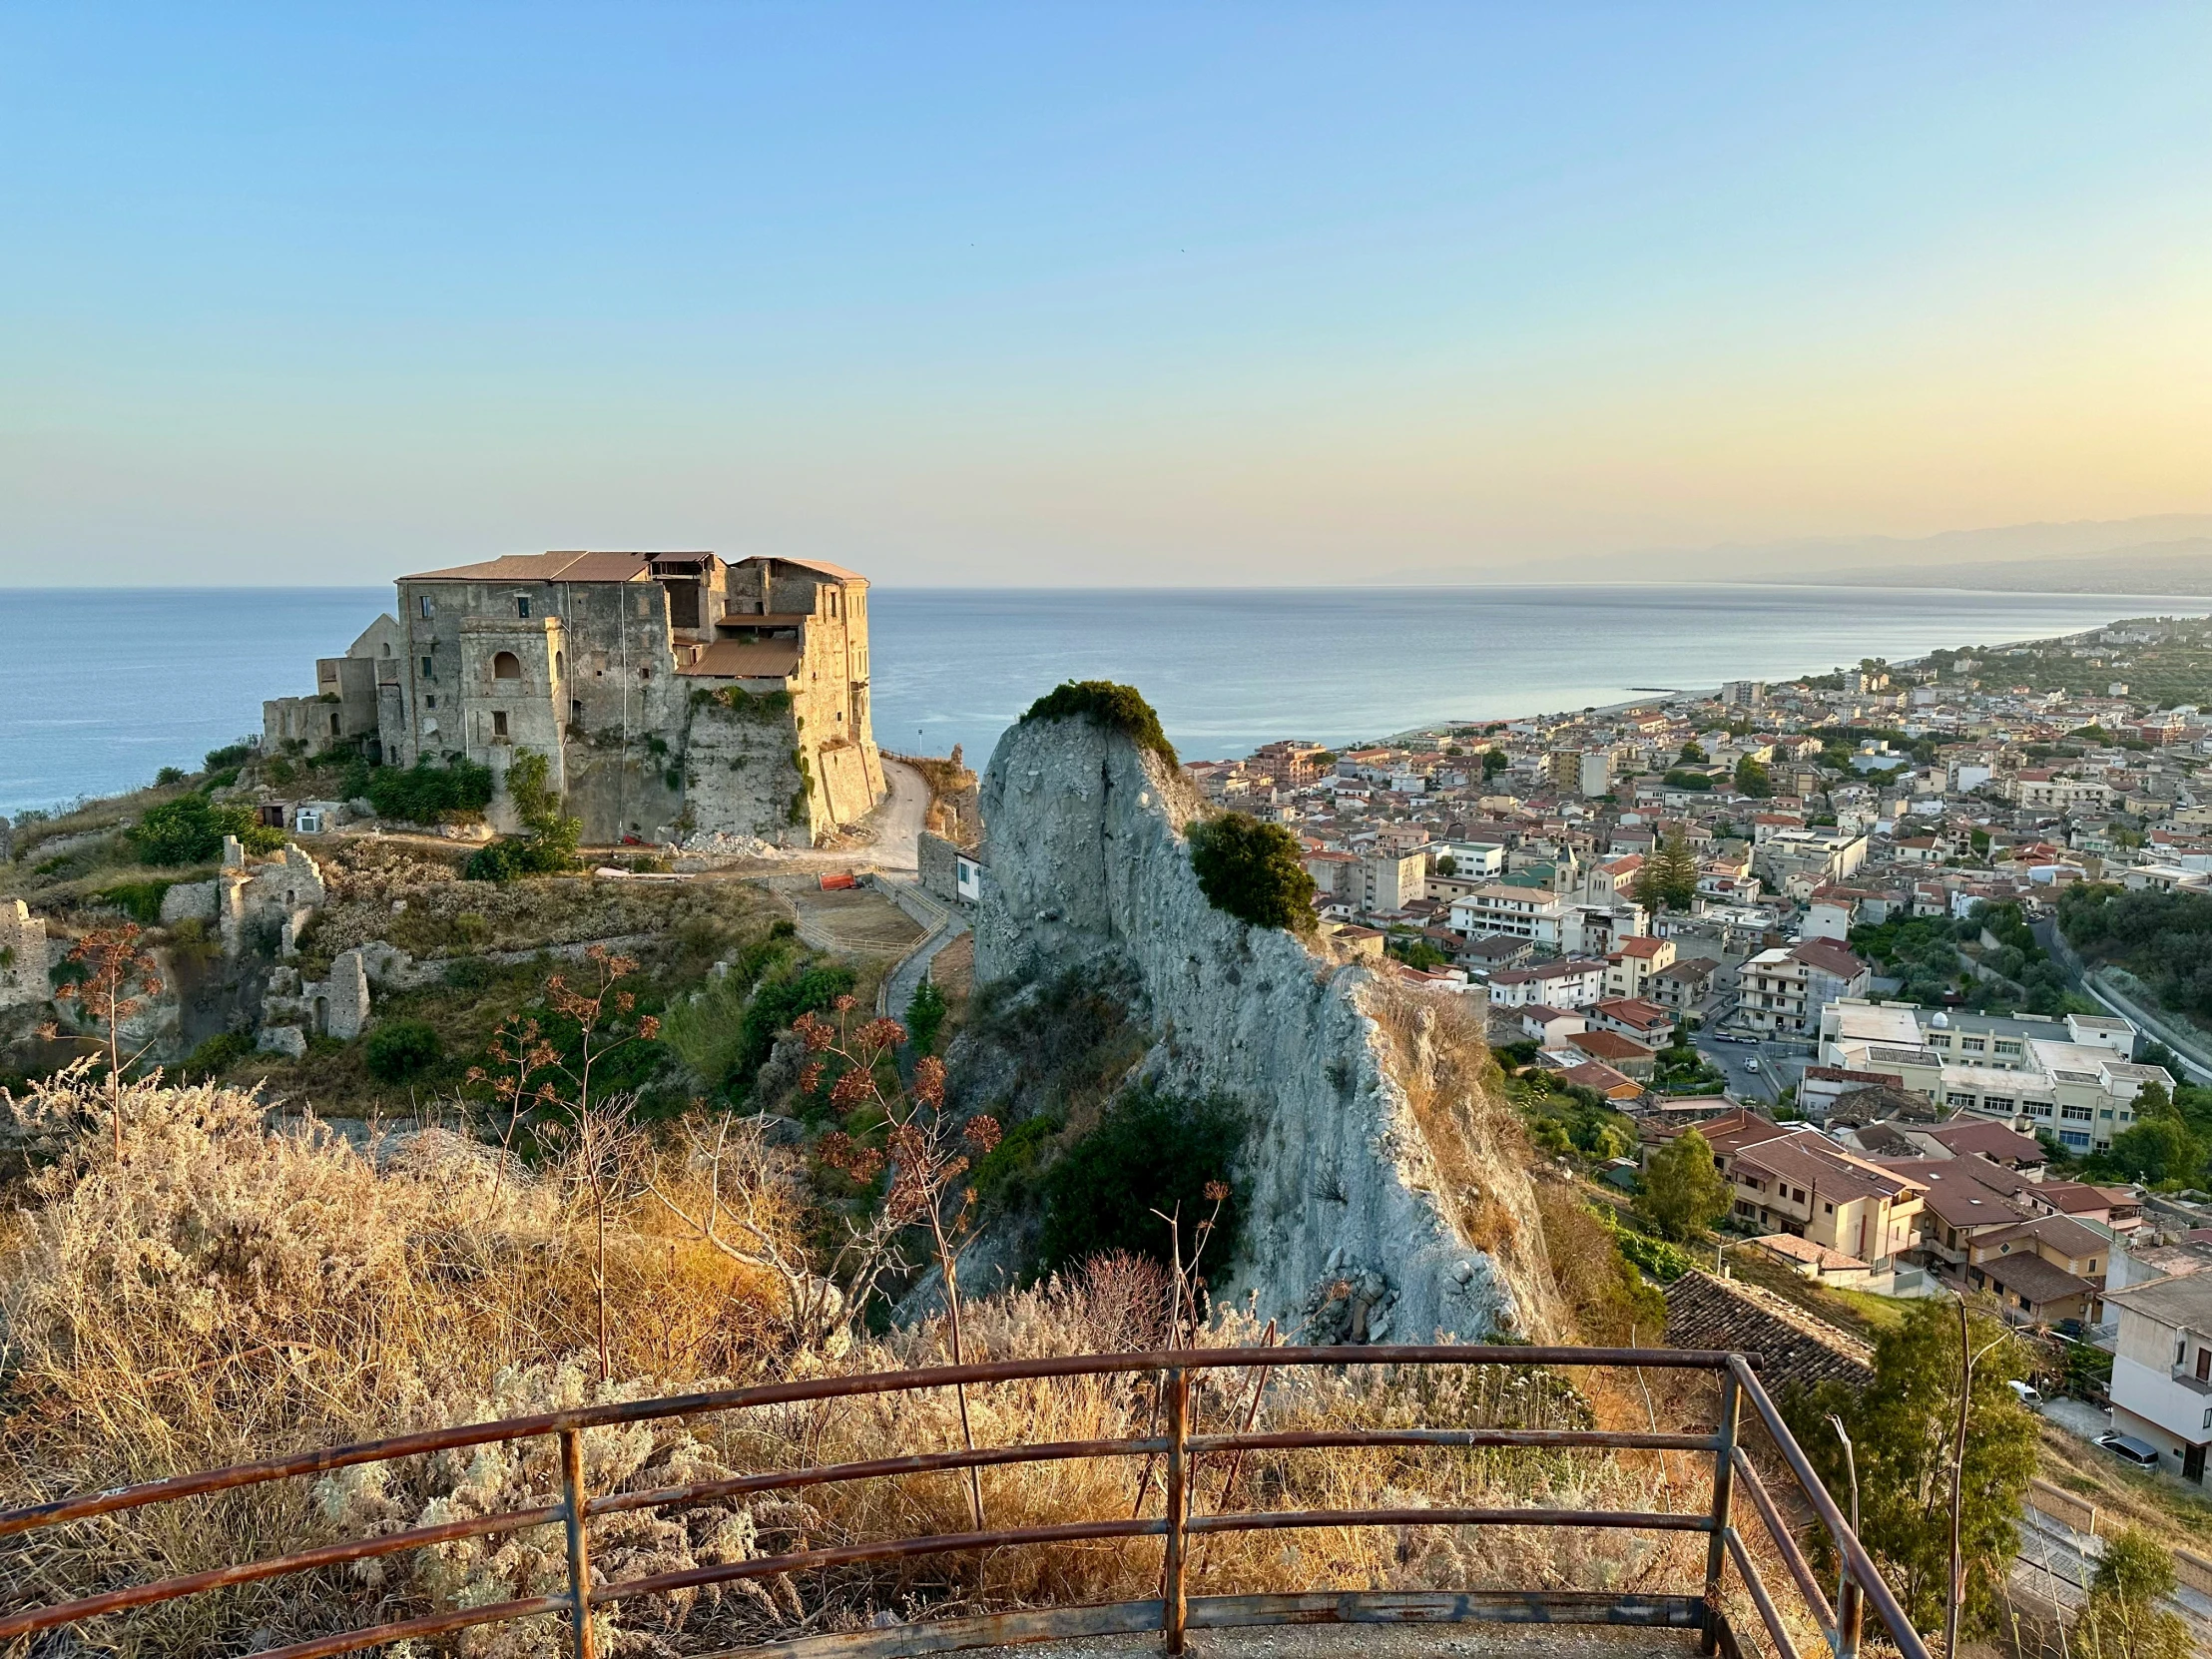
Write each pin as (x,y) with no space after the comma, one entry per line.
(100,688)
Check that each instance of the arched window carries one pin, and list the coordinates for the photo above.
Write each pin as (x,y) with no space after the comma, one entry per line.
(560,664)
(506,666)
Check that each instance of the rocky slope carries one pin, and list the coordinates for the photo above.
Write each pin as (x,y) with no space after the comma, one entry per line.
(1379,1207)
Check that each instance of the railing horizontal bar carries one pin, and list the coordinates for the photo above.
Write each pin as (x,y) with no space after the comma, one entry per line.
(1769,1614)
(1785,1545)
(1268,1520)
(833,1387)
(431,1624)
(888,1549)
(216,1578)
(1861,1566)
(875,1469)
(1317,1438)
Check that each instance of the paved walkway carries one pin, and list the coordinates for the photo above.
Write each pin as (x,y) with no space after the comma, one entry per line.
(941,925)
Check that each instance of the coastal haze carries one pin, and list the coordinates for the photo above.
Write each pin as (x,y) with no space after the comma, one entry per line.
(1228,669)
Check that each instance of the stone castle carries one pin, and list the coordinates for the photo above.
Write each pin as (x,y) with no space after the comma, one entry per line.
(672,693)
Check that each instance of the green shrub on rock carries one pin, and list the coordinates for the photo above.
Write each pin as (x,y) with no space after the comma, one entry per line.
(1152,1155)
(1254,870)
(1103,703)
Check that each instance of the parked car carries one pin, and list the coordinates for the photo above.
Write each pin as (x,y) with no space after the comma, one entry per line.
(2129,1450)
(1751,1064)
(2026,1396)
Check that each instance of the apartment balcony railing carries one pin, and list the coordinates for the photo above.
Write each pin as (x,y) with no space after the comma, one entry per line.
(1693,1608)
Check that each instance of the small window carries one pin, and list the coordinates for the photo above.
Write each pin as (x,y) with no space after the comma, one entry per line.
(575,709)
(1826,1209)
(522,607)
(560,664)
(428,609)
(506,666)
(428,673)
(499,723)
(644,674)
(387,648)
(333,726)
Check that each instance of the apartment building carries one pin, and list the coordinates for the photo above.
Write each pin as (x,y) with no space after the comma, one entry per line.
(1573,983)
(2162,1369)
(1523,912)
(1783,991)
(2070,1078)
(1630,967)
(1796,1181)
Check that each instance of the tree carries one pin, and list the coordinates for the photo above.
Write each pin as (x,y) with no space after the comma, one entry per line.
(2125,1617)
(1691,751)
(190,830)
(1905,1432)
(1684,1193)
(116,978)
(1494,761)
(551,845)
(1254,870)
(925,1013)
(1668,879)
(1446,864)
(1752,778)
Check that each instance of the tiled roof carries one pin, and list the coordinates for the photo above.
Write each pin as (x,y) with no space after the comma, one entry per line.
(545,567)
(729,660)
(2032,1277)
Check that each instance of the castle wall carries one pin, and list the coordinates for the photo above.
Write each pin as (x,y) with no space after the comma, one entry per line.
(740,777)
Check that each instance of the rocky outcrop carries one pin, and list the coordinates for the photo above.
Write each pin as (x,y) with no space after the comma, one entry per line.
(1356,1226)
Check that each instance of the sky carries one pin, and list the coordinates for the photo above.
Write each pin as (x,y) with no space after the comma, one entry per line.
(1100,294)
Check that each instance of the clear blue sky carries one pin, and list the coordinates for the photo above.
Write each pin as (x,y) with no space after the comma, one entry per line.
(1053,293)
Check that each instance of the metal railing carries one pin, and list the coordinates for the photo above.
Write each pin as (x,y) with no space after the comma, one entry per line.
(1171,1614)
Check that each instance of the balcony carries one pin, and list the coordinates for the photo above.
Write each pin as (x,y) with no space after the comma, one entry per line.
(1187,1496)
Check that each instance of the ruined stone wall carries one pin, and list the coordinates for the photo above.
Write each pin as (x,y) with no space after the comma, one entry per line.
(24,955)
(939,867)
(842,776)
(1088,864)
(739,775)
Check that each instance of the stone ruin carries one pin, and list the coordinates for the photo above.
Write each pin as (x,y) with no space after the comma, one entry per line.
(284,892)
(25,959)
(293,1009)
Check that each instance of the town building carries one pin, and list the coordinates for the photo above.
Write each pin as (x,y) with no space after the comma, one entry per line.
(2162,1369)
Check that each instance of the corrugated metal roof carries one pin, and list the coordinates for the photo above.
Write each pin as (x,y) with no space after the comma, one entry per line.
(731,660)
(822,566)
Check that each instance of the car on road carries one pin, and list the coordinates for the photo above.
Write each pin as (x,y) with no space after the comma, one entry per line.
(2129,1450)
(1733,1037)
(1751,1064)
(2027,1396)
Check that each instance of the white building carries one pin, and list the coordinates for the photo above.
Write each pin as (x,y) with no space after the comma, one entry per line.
(2162,1369)
(1525,913)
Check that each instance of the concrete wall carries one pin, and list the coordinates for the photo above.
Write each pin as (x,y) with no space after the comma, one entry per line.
(740,777)
(939,867)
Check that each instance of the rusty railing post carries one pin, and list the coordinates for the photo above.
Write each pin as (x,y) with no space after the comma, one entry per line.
(1172,1606)
(1850,1617)
(579,1546)
(1715,1544)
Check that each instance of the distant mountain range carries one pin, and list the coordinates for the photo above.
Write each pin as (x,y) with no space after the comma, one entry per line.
(2168,553)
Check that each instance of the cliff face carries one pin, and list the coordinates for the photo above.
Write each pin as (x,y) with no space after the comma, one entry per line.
(1375,1209)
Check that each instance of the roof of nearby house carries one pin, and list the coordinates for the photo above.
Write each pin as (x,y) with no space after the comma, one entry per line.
(1544,1015)
(1809,1159)
(1791,1248)
(1595,1074)
(2059,1231)
(1635,1012)
(2077,1198)
(2033,1277)
(1993,1141)
(1957,1193)
(549,567)
(1607,1045)
(2180,1300)
(1640,945)
(1686,968)
(1829,957)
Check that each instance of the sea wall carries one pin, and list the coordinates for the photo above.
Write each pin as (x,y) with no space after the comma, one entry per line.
(1349,1223)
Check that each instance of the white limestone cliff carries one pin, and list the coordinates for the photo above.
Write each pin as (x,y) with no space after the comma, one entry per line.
(1359,1224)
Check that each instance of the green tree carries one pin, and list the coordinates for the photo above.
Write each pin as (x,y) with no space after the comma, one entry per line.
(2126,1616)
(1494,762)
(1252,870)
(1448,865)
(190,830)
(1684,1193)
(925,1015)
(2160,1146)
(551,844)
(1752,778)
(1903,1431)
(1668,879)
(1691,751)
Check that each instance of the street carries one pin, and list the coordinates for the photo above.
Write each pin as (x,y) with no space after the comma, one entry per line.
(1779,1066)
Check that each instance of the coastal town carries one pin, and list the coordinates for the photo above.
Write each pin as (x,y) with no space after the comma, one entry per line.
(1819,919)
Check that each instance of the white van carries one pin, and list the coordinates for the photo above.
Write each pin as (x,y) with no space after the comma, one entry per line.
(2026,1396)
